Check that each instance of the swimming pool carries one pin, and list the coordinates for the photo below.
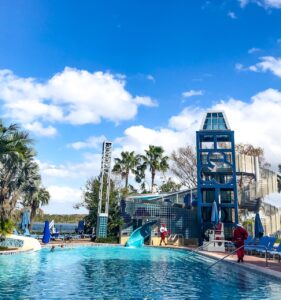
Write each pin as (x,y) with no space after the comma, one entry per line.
(124,273)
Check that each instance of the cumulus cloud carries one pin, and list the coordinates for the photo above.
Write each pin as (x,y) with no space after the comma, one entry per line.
(91,142)
(268,63)
(72,96)
(192,93)
(254,50)
(62,199)
(38,128)
(150,77)
(86,169)
(232,15)
(263,3)
(256,122)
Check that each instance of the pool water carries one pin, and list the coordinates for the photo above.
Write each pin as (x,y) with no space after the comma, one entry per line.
(124,273)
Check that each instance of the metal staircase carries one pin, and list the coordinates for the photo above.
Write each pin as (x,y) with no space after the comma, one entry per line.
(252,192)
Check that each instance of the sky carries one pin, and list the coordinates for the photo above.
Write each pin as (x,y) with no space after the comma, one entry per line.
(137,73)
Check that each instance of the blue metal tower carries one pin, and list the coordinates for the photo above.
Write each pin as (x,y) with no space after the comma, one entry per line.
(102,217)
(216,172)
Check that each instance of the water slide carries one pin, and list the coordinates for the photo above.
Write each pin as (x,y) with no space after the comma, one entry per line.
(138,236)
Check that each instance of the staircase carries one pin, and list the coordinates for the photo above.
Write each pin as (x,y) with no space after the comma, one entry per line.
(250,195)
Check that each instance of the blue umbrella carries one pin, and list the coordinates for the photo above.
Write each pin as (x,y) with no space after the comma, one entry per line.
(46,233)
(258,227)
(215,213)
(25,221)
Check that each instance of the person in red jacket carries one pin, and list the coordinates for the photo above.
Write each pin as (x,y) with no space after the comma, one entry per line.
(240,234)
(163,233)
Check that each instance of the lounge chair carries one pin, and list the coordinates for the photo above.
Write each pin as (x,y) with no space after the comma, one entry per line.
(269,247)
(276,252)
(257,245)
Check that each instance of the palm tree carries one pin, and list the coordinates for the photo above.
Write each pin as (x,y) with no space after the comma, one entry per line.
(34,195)
(128,162)
(155,161)
(15,150)
(35,200)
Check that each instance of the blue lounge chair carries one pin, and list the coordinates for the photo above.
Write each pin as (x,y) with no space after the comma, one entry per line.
(257,245)
(276,252)
(269,247)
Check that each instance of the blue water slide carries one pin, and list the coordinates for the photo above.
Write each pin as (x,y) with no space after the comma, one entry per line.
(139,235)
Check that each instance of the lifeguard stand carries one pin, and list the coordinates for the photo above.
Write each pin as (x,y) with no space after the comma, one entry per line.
(216,173)
(102,216)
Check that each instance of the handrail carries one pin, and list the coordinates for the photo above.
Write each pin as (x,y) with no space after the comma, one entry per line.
(179,236)
(224,257)
(197,249)
(266,261)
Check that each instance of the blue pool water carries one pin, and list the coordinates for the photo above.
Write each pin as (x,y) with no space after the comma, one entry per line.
(124,273)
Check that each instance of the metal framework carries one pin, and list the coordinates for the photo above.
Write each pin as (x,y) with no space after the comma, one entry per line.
(104,174)
(216,172)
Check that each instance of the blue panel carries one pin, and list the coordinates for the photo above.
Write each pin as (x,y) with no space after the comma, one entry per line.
(102,226)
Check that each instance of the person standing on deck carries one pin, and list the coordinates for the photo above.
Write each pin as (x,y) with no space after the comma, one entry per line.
(163,234)
(240,234)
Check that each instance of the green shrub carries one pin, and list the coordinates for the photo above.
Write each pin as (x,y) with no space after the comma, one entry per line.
(109,240)
(6,227)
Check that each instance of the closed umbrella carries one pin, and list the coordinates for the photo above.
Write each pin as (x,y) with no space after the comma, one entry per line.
(25,221)
(258,227)
(46,233)
(215,213)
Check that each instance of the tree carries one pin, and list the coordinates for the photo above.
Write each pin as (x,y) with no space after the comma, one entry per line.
(15,153)
(90,202)
(35,197)
(169,186)
(184,166)
(154,160)
(248,149)
(128,162)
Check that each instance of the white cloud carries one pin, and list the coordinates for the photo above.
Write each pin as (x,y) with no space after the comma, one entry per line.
(72,96)
(232,15)
(37,128)
(62,200)
(268,63)
(133,139)
(192,93)
(263,3)
(254,50)
(256,122)
(89,167)
(150,77)
(91,142)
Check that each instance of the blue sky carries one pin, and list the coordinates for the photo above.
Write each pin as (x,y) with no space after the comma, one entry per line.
(136,73)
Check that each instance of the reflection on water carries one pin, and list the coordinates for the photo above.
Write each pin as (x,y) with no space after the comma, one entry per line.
(122,273)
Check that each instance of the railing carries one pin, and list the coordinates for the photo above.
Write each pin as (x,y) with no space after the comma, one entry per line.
(231,253)
(205,245)
(176,235)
